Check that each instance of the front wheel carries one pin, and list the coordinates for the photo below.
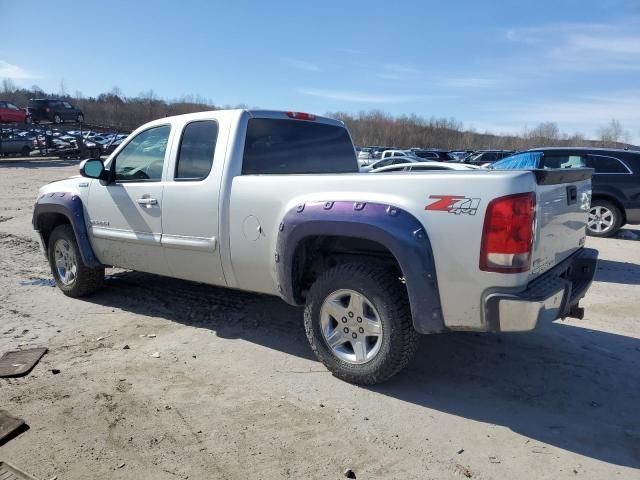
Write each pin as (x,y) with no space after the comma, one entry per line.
(605,219)
(71,274)
(358,322)
(80,118)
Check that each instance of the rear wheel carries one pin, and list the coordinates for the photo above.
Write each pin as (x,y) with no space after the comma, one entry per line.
(57,118)
(605,219)
(25,151)
(71,274)
(80,118)
(27,120)
(358,322)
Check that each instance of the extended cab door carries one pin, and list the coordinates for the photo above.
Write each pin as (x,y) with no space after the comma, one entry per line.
(190,206)
(125,214)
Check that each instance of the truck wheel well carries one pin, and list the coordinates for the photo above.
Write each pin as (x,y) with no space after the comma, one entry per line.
(613,200)
(47,222)
(314,255)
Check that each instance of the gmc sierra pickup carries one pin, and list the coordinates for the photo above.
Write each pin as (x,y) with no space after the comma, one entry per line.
(272,202)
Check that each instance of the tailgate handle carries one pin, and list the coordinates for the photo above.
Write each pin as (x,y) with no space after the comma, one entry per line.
(572,194)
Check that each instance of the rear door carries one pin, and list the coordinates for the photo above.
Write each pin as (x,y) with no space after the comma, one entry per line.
(190,204)
(125,216)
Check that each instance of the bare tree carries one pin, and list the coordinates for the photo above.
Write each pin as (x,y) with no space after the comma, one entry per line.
(612,134)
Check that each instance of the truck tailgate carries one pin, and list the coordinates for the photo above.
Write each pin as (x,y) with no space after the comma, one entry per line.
(563,198)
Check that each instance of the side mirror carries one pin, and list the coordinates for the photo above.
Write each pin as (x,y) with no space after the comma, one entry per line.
(93,168)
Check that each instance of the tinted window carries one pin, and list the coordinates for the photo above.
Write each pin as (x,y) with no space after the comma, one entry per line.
(296,146)
(488,157)
(141,160)
(197,146)
(67,105)
(563,161)
(605,164)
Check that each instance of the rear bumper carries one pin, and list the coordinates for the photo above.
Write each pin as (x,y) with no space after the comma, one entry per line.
(555,294)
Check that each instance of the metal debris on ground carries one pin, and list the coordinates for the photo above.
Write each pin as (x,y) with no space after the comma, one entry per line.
(8,426)
(156,355)
(12,473)
(349,473)
(20,362)
(463,470)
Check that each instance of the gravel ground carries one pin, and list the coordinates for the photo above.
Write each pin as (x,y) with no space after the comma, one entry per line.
(236,392)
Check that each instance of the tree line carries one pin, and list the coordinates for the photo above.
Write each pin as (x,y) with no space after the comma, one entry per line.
(119,112)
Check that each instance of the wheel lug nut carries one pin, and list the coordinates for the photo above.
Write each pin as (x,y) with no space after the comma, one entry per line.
(354,335)
(359,319)
(351,314)
(346,330)
(344,319)
(361,330)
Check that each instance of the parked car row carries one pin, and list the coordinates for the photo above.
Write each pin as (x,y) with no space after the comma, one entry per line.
(40,110)
(63,143)
(368,155)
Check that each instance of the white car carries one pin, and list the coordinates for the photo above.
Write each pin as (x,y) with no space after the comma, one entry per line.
(393,160)
(423,167)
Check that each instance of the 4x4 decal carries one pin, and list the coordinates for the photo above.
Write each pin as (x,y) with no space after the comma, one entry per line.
(453,204)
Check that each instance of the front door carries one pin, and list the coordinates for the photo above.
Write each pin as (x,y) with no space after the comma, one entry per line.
(125,214)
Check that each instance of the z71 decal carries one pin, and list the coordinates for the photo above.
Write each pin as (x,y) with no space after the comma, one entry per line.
(454,204)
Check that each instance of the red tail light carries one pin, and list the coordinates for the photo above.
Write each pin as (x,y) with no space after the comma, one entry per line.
(47,109)
(507,236)
(301,116)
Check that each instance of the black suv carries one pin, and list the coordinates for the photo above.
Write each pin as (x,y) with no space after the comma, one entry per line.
(615,184)
(51,110)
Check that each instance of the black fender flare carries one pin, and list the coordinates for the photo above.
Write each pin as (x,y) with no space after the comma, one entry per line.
(394,228)
(69,205)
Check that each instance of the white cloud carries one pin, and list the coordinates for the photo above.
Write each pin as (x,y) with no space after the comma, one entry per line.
(14,72)
(580,47)
(301,64)
(359,97)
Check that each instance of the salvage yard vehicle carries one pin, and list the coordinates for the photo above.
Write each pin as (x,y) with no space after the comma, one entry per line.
(616,181)
(53,110)
(422,167)
(272,202)
(10,113)
(15,145)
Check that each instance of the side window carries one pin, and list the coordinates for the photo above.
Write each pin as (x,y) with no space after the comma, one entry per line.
(605,164)
(195,154)
(3,105)
(563,161)
(11,106)
(142,159)
(67,105)
(488,157)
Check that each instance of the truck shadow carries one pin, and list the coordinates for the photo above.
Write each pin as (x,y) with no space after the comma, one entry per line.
(611,271)
(561,385)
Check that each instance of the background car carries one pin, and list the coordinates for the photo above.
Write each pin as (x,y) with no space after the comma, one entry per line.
(615,199)
(433,154)
(482,157)
(10,113)
(395,160)
(423,167)
(15,145)
(52,110)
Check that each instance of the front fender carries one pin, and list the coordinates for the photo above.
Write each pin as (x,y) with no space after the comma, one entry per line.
(397,230)
(69,205)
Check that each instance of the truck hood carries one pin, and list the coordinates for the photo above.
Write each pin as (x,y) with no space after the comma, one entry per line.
(70,184)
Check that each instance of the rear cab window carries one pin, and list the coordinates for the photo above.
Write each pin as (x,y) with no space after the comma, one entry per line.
(282,146)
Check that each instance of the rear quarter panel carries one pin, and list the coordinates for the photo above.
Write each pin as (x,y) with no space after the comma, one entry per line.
(259,202)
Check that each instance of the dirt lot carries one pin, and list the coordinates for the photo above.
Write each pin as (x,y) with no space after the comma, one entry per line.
(236,392)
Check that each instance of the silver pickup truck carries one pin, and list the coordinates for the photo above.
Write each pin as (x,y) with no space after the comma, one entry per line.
(272,202)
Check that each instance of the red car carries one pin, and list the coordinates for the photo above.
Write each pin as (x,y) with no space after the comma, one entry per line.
(10,113)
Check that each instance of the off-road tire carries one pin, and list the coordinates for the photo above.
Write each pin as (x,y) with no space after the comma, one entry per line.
(388,295)
(88,279)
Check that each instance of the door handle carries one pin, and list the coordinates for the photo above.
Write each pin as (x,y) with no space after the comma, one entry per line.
(147,202)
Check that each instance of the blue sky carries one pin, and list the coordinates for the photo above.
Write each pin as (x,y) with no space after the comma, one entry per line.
(498,66)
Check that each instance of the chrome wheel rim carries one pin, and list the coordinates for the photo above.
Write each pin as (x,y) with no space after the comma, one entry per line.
(65,262)
(351,326)
(601,219)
